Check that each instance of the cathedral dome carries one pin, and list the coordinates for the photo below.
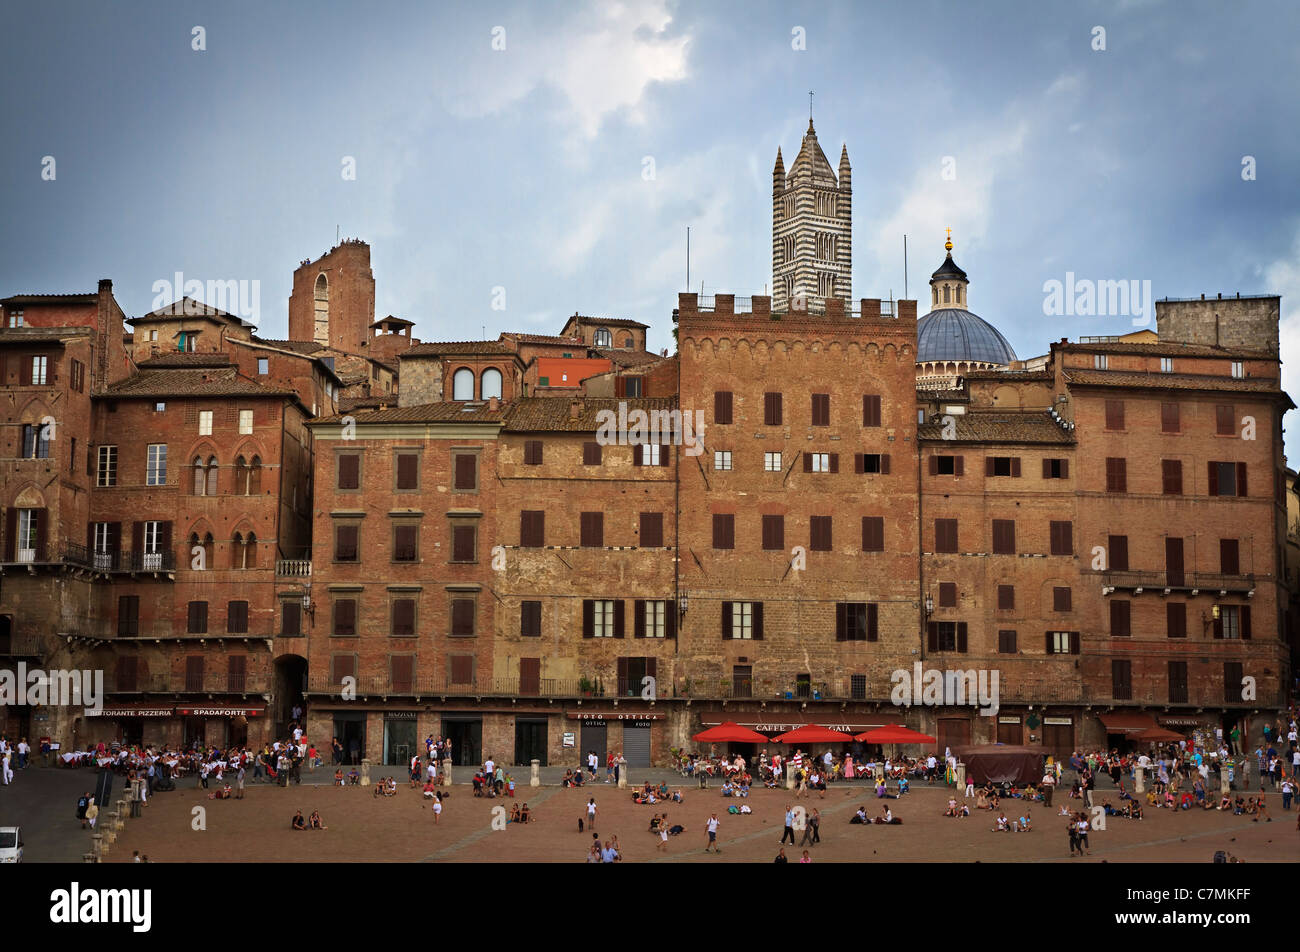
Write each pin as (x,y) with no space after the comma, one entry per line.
(951,338)
(955,334)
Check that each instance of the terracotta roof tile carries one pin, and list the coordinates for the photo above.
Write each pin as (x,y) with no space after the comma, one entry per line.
(300,346)
(605,321)
(1159,381)
(450,411)
(995,427)
(1165,349)
(179,359)
(552,414)
(217,382)
(628,358)
(458,347)
(543,339)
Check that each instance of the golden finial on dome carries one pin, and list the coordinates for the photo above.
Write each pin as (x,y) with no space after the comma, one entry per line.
(948,244)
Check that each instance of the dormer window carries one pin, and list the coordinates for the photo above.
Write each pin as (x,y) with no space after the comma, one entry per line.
(602,337)
(186,341)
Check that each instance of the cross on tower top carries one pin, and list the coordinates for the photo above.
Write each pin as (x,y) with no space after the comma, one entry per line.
(810,96)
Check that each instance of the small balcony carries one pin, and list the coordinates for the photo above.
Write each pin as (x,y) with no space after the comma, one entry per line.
(293,568)
(1197,583)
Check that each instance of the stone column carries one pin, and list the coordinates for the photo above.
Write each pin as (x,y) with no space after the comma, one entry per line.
(446,773)
(97,846)
(365,771)
(1139,779)
(622,774)
(1223,779)
(960,773)
(536,779)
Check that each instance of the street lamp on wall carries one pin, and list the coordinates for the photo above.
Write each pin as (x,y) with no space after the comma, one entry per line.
(929,604)
(682,603)
(1211,618)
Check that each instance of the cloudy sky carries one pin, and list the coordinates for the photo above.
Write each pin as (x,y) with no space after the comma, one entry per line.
(566,166)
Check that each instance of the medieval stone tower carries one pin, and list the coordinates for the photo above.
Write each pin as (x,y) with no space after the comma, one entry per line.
(812,229)
(333,299)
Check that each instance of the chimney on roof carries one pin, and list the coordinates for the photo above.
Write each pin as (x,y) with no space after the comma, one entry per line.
(494,404)
(575,408)
(106,284)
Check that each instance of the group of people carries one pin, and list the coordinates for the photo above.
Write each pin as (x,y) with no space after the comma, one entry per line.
(12,755)
(312,822)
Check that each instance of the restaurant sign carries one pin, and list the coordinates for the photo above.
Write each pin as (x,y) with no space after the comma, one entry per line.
(1181,721)
(221,711)
(1057,721)
(130,712)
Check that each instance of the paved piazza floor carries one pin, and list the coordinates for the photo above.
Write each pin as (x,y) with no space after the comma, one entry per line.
(363,828)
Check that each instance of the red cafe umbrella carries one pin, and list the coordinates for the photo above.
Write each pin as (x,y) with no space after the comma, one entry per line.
(1157,735)
(730,732)
(812,734)
(894,734)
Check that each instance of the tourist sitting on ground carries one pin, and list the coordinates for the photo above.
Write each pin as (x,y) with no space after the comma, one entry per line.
(338,777)
(1185,801)
(1002,824)
(743,789)
(390,787)
(568,778)
(514,813)
(354,778)
(745,809)
(525,815)
(378,790)
(677,795)
(887,816)
(1133,809)
(430,790)
(727,788)
(314,822)
(903,786)
(654,823)
(982,800)
(676,829)
(662,792)
(1226,802)
(1021,825)
(298,823)
(860,816)
(964,812)
(952,808)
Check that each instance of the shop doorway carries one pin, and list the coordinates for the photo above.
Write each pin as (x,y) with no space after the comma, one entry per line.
(194,732)
(636,743)
(466,735)
(530,741)
(350,729)
(1059,739)
(953,732)
(132,731)
(1009,731)
(593,738)
(290,685)
(399,740)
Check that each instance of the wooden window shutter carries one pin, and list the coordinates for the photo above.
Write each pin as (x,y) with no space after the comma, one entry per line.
(42,529)
(137,537)
(873,621)
(859,463)
(637,455)
(623,686)
(618,618)
(11,533)
(961,636)
(884,464)
(1212,476)
(670,619)
(590,454)
(349,471)
(1050,643)
(462,617)
(1224,420)
(588,618)
(620,387)
(932,636)
(466,470)
(1120,619)
(1074,642)
(345,617)
(757,620)
(959,465)
(1015,466)
(290,618)
(638,618)
(664,455)
(807,462)
(1241,479)
(1065,469)
(988,466)
(1047,469)
(835,462)
(1245,622)
(934,466)
(652,529)
(873,534)
(404,617)
(726,620)
(1169,417)
(871,410)
(841,623)
(722,407)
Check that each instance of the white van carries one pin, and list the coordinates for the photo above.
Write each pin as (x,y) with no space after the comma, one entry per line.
(11,844)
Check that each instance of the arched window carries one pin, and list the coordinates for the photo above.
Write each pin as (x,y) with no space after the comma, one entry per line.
(200,477)
(462,384)
(241,476)
(490,383)
(959,294)
(200,554)
(254,485)
(250,552)
(237,551)
(602,337)
(212,476)
(947,292)
(321,301)
(627,342)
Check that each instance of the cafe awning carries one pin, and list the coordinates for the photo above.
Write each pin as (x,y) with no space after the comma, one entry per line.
(1127,722)
(730,733)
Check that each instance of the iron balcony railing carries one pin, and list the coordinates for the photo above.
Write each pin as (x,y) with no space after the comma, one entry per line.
(208,682)
(378,686)
(1208,582)
(22,646)
(121,560)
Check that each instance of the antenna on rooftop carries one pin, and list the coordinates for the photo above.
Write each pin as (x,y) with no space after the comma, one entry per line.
(905,267)
(688,257)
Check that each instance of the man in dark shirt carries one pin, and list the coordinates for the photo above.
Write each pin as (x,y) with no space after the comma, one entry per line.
(780,857)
